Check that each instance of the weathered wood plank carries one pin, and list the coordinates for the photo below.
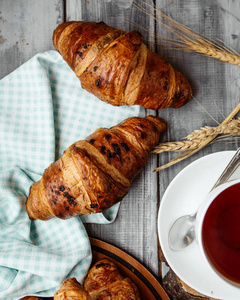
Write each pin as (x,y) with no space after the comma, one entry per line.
(26,28)
(135,229)
(215,85)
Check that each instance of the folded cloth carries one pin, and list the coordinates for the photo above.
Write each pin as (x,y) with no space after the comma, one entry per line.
(43,110)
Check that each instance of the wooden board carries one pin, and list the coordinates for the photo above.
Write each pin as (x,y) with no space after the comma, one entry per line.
(26,29)
(148,285)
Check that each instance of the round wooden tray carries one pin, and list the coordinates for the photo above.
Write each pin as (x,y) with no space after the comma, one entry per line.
(147,284)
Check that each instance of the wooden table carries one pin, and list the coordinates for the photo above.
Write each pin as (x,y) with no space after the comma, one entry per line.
(26,28)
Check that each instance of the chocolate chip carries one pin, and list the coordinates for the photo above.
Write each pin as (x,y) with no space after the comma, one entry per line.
(72,202)
(61,188)
(142,135)
(107,137)
(70,199)
(91,141)
(93,205)
(79,53)
(114,146)
(103,148)
(125,146)
(95,68)
(98,82)
(67,207)
(109,154)
(65,194)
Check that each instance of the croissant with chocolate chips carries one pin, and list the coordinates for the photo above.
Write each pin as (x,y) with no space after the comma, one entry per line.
(118,68)
(95,173)
(104,281)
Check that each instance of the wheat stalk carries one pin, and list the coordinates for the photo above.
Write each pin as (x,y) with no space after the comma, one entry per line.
(232,128)
(189,40)
(197,143)
(176,146)
(209,49)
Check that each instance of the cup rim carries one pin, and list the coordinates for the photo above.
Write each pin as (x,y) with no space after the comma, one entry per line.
(199,223)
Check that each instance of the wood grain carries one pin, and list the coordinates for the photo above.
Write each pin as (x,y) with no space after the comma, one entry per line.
(26,29)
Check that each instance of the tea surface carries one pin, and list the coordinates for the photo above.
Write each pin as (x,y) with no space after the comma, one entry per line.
(221,233)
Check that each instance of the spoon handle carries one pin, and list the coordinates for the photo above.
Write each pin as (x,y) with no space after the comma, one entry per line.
(229,170)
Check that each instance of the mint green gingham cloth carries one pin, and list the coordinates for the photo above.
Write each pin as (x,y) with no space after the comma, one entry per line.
(43,110)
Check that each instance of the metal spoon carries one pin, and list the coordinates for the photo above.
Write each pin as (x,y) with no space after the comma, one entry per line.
(182,232)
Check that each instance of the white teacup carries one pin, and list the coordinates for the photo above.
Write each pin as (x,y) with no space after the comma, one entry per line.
(217,230)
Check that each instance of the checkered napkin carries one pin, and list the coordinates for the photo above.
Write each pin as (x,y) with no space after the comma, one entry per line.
(43,110)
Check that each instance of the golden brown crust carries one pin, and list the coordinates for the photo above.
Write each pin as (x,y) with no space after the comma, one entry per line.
(106,76)
(94,174)
(71,289)
(122,290)
(104,281)
(118,68)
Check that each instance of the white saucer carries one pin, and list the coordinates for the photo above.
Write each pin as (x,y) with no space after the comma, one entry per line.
(183,196)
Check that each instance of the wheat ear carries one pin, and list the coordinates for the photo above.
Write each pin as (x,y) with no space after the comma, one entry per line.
(189,40)
(177,146)
(208,139)
(232,128)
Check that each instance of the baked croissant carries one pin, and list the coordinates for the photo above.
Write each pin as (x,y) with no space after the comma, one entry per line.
(103,282)
(95,173)
(118,68)
(71,289)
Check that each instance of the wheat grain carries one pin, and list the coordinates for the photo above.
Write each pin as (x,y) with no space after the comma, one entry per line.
(232,128)
(209,49)
(177,146)
(204,142)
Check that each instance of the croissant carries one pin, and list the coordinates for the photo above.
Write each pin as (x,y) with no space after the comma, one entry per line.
(95,173)
(118,68)
(71,289)
(103,281)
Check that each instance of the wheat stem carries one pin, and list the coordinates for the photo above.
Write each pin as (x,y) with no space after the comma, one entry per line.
(204,142)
